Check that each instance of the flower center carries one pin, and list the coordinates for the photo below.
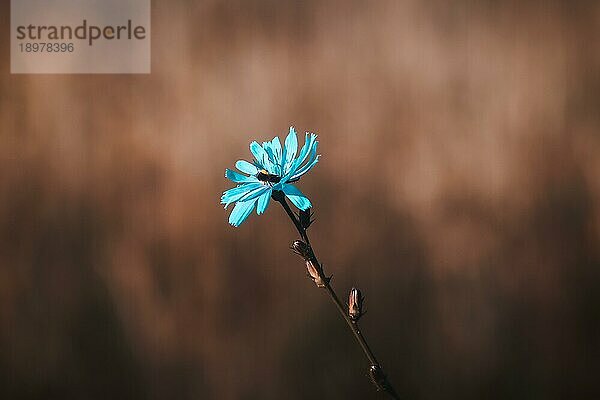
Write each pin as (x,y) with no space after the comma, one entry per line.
(264,176)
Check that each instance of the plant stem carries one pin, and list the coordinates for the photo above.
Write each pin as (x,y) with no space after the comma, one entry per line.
(377,376)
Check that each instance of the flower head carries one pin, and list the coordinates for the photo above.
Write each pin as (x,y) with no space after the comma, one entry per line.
(274,168)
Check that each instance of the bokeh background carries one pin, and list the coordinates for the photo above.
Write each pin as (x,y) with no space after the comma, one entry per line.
(459,188)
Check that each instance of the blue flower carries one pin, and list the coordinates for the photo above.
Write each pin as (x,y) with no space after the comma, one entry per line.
(274,168)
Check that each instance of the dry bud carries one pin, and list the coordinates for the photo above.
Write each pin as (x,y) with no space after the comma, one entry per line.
(300,248)
(315,273)
(355,303)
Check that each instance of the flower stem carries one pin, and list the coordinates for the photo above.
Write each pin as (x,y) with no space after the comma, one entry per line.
(376,372)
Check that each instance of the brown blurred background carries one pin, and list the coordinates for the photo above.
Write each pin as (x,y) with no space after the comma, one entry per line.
(459,188)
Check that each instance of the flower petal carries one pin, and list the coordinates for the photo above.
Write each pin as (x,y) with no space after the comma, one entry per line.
(239,178)
(259,153)
(313,160)
(290,148)
(307,149)
(262,157)
(276,146)
(254,193)
(273,149)
(263,202)
(234,194)
(274,169)
(296,197)
(309,143)
(241,211)
(246,167)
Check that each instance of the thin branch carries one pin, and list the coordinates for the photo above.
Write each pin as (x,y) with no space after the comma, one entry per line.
(376,372)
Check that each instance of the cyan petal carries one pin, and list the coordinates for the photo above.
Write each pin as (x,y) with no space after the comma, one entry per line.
(274,169)
(262,157)
(254,193)
(263,202)
(310,148)
(290,148)
(241,211)
(259,154)
(296,197)
(234,194)
(267,147)
(239,178)
(269,166)
(314,158)
(230,195)
(309,142)
(276,146)
(305,169)
(246,167)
